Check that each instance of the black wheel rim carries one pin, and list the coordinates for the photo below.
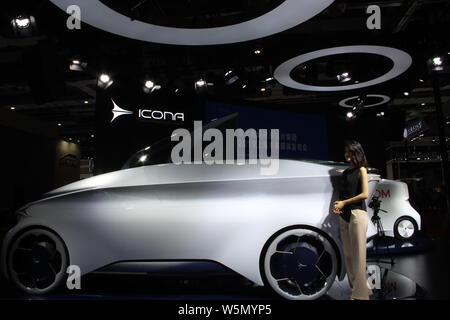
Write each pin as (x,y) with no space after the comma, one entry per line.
(37,261)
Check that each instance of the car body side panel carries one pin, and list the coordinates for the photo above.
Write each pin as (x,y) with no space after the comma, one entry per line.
(226,221)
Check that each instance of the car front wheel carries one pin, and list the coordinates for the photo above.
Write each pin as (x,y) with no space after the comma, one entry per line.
(37,261)
(299,264)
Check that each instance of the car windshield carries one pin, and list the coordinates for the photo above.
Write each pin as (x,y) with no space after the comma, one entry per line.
(160,152)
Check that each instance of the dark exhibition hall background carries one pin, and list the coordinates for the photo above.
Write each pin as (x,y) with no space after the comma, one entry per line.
(58,87)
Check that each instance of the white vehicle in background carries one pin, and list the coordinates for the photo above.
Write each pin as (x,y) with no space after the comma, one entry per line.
(400,220)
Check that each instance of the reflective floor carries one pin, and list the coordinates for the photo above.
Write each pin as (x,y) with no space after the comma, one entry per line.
(420,274)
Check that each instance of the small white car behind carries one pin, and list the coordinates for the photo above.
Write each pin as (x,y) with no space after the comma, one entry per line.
(401,220)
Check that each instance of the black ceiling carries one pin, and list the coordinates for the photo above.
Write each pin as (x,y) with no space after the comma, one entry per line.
(35,74)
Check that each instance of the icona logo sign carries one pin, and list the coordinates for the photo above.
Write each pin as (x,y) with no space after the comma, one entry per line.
(147,114)
(118,111)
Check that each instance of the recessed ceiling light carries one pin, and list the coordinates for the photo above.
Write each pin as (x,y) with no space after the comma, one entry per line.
(422,104)
(13,108)
(143,158)
(257,51)
(343,77)
(406,93)
(437,61)
(76,61)
(105,78)
(149,84)
(200,83)
(22,22)
(350,114)
(92,136)
(244,86)
(421,80)
(263,89)
(85,102)
(59,124)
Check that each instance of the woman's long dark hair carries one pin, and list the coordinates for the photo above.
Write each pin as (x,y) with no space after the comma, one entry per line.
(357,152)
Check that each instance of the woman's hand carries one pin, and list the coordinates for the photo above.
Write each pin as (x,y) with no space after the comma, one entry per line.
(338,206)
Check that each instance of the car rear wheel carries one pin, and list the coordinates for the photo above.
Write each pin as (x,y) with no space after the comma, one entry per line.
(299,264)
(37,261)
(405,228)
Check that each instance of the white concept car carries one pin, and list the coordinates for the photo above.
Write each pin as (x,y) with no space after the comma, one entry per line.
(273,230)
(398,218)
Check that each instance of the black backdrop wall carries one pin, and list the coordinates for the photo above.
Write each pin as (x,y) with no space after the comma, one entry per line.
(117,141)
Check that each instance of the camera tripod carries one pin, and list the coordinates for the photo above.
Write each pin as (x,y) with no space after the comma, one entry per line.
(376,220)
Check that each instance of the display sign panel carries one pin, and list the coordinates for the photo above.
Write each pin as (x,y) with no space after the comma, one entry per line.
(302,136)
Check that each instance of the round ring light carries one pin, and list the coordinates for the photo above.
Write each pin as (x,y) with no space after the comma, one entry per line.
(287,15)
(402,61)
(384,99)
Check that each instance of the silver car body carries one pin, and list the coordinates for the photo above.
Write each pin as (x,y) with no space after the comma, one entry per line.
(168,212)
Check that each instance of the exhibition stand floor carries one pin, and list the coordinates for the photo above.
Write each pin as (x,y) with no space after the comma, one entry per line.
(407,279)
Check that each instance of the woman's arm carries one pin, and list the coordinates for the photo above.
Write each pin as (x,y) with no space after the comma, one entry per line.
(339,205)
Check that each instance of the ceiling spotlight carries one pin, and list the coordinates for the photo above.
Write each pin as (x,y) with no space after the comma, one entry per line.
(381,114)
(228,73)
(422,104)
(406,93)
(269,79)
(149,84)
(59,124)
(85,102)
(263,89)
(437,61)
(343,77)
(244,86)
(13,108)
(92,136)
(147,148)
(437,64)
(22,22)
(104,81)
(143,158)
(200,84)
(350,115)
(176,90)
(421,80)
(77,65)
(105,78)
(257,51)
